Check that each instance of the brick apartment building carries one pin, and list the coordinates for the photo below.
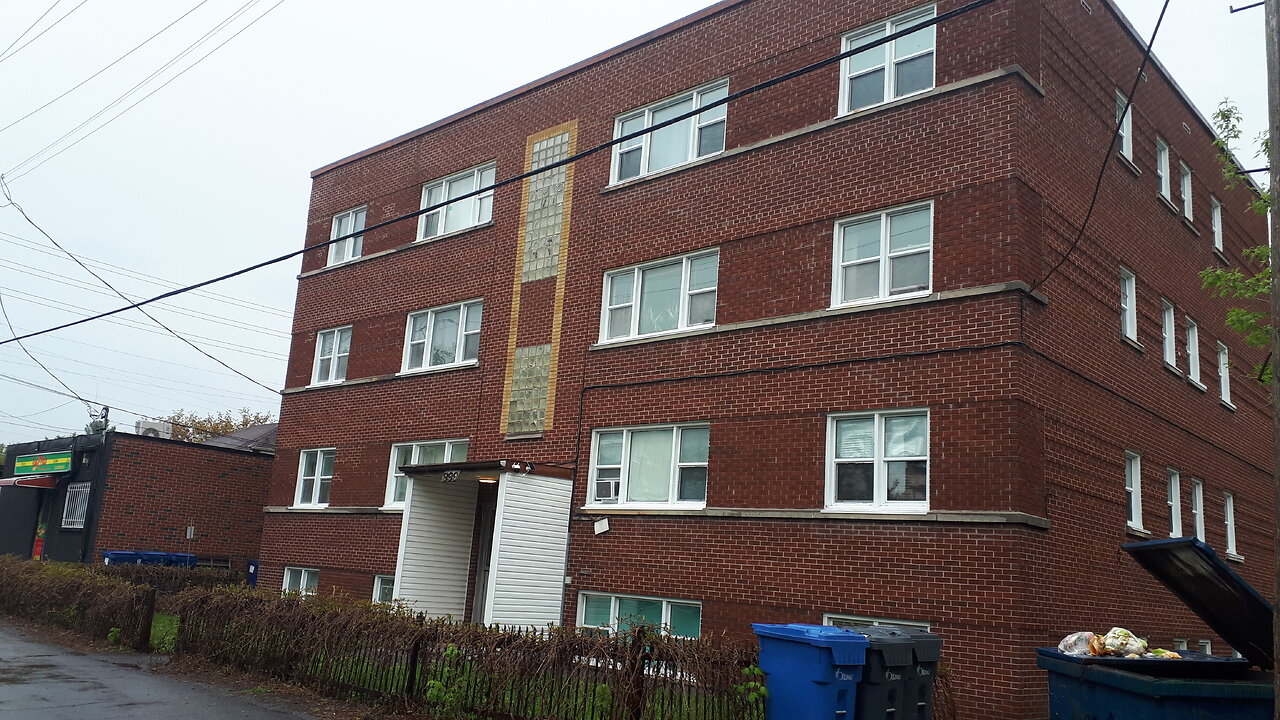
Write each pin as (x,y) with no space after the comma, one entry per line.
(801,360)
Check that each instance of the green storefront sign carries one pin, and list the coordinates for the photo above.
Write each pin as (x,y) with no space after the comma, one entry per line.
(42,463)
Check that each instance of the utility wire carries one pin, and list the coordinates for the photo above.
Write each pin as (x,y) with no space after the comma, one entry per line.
(546,168)
(5,312)
(31,27)
(138,102)
(118,351)
(108,67)
(42,32)
(124,297)
(1106,159)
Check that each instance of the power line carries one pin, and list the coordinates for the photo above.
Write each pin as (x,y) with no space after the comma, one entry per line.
(151,381)
(124,297)
(5,312)
(118,351)
(30,27)
(108,67)
(38,412)
(42,32)
(545,168)
(1106,159)
(140,100)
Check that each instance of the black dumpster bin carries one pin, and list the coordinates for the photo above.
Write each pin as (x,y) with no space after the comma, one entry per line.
(897,680)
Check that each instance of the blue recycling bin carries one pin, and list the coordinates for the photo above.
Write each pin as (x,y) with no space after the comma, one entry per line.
(812,671)
(186,560)
(120,557)
(154,558)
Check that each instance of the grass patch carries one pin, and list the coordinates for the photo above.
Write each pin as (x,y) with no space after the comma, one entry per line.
(164,631)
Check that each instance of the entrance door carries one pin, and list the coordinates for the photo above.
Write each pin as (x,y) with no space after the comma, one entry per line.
(484,551)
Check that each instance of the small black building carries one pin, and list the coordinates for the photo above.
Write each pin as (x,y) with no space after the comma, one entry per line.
(52,514)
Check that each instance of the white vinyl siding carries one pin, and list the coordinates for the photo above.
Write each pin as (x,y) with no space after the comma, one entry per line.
(1193,352)
(315,476)
(303,581)
(443,337)
(1133,488)
(609,613)
(694,137)
(1224,375)
(883,255)
(333,347)
(1162,169)
(345,224)
(1186,190)
(435,547)
(1124,121)
(1169,332)
(660,297)
(1174,487)
(1215,210)
(1128,304)
(1229,519)
(530,545)
(650,466)
(460,215)
(1197,507)
(76,505)
(878,462)
(895,69)
(419,453)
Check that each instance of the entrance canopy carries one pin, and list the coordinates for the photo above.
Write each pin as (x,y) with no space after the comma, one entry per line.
(44,482)
(485,471)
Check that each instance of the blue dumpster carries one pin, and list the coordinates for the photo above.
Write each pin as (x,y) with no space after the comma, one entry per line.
(120,557)
(154,558)
(182,559)
(812,671)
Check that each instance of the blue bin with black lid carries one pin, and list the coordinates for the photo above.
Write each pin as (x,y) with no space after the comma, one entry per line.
(1197,686)
(120,557)
(812,671)
(154,558)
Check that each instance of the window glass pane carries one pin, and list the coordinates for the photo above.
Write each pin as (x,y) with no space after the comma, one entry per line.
(359,221)
(461,186)
(487,177)
(322,490)
(459,215)
(431,225)
(404,455)
(322,371)
(860,240)
(402,486)
(340,368)
(341,225)
(909,230)
(418,327)
(905,435)
(430,454)
(649,472)
(709,96)
(693,484)
(326,463)
(609,449)
(344,341)
(702,271)
(607,480)
(474,313)
(435,194)
(855,438)
(711,139)
(326,343)
(415,355)
(309,464)
(486,208)
(869,59)
(909,273)
(914,75)
(916,41)
(596,610)
(866,90)
(385,587)
(292,579)
(633,611)
(444,336)
(620,287)
(620,321)
(630,125)
(458,451)
(670,145)
(311,579)
(906,480)
(702,308)
(660,297)
(855,482)
(693,444)
(471,347)
(307,492)
(686,620)
(629,164)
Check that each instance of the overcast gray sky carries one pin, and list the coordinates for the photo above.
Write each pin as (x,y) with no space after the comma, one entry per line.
(211,173)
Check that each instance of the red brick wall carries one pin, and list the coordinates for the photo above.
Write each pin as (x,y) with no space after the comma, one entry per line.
(1032,402)
(156,488)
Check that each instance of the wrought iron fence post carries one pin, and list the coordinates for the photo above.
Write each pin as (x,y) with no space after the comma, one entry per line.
(148,614)
(635,673)
(411,679)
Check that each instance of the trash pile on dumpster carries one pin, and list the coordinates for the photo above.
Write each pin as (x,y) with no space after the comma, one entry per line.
(1116,643)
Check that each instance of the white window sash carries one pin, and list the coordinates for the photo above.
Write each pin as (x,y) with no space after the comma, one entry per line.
(879,461)
(615,620)
(384,585)
(623,481)
(455,450)
(1162,169)
(460,341)
(636,274)
(1175,503)
(1193,351)
(1133,488)
(888,63)
(1168,325)
(1124,119)
(313,500)
(1186,190)
(481,205)
(352,247)
(885,258)
(1229,519)
(1197,507)
(1128,304)
(336,354)
(1215,208)
(1224,373)
(645,142)
(304,581)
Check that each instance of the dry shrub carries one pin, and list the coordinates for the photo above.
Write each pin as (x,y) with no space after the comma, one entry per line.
(73,596)
(167,579)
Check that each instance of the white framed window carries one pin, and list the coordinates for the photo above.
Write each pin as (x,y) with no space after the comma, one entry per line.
(1215,214)
(1229,519)
(1206,646)
(442,337)
(1162,169)
(303,581)
(1224,374)
(1128,304)
(676,144)
(896,69)
(419,453)
(610,613)
(1174,486)
(1169,332)
(1193,352)
(384,588)
(843,620)
(345,223)
(1180,644)
(883,255)
(650,466)
(460,215)
(659,297)
(315,476)
(878,461)
(1197,507)
(332,349)
(1124,121)
(1186,190)
(76,505)
(1133,488)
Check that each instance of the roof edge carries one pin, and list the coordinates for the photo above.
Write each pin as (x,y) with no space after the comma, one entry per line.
(528,87)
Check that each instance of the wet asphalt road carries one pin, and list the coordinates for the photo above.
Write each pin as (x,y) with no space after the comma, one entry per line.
(50,682)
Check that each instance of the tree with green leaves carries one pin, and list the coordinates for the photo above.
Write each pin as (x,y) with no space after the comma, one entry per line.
(1250,284)
(193,427)
(97,427)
